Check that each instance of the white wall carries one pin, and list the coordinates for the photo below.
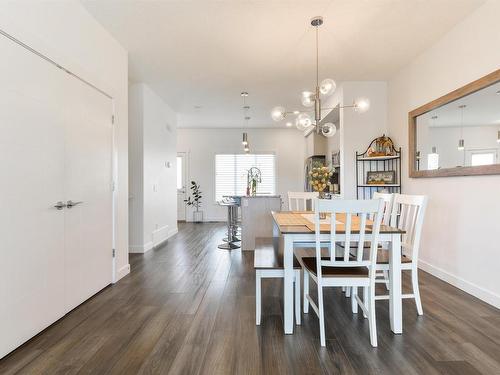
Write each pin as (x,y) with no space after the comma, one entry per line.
(461,235)
(66,33)
(153,194)
(202,145)
(357,130)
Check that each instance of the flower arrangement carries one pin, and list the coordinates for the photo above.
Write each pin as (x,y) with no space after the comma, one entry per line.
(319,177)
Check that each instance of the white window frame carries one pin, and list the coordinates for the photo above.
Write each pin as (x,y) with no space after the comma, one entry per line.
(236,153)
(476,151)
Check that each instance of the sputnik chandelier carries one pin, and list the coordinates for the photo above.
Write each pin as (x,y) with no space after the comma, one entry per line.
(310,99)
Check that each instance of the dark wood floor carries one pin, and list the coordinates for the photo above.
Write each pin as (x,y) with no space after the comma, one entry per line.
(188,308)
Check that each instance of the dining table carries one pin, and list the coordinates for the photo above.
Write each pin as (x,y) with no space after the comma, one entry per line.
(297,229)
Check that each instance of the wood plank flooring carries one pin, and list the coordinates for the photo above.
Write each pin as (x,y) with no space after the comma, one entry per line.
(189,308)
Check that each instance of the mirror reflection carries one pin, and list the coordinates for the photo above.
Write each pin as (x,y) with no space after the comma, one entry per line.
(465,132)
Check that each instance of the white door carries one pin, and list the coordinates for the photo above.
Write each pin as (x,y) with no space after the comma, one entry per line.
(31,182)
(88,182)
(181,185)
(55,145)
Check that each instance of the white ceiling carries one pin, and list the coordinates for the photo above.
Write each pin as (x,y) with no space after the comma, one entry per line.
(205,52)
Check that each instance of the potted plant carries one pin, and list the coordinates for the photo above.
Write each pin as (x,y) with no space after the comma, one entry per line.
(195,201)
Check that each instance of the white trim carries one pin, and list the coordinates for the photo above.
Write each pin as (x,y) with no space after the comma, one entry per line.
(141,248)
(160,235)
(122,272)
(468,287)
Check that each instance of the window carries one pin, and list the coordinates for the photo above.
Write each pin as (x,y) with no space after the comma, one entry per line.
(483,158)
(231,173)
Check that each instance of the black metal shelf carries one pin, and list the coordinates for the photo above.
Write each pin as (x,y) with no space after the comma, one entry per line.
(365,163)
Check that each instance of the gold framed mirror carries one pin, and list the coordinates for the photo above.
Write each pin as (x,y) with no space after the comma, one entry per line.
(457,134)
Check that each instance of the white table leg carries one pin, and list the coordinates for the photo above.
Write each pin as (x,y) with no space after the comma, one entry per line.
(288,284)
(395,300)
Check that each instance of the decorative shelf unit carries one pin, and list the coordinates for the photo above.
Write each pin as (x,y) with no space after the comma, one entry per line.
(365,164)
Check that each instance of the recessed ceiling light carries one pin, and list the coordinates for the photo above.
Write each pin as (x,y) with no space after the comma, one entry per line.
(198,107)
(244,93)
(434,117)
(288,124)
(247,117)
(498,92)
(246,107)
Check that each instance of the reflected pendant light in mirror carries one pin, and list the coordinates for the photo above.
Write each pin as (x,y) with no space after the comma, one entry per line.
(461,142)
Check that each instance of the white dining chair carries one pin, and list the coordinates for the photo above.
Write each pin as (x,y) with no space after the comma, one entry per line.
(296,197)
(388,199)
(345,271)
(408,213)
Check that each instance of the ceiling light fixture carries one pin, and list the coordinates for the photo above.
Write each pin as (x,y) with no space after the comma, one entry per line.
(311,99)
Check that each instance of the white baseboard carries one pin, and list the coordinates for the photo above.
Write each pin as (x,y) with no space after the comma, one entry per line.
(159,236)
(141,248)
(122,272)
(468,287)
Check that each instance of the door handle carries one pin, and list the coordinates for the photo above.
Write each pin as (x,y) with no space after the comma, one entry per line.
(59,205)
(70,203)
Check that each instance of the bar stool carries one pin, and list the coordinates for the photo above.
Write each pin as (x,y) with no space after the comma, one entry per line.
(232,211)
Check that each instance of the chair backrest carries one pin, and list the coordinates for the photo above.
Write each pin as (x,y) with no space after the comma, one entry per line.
(296,197)
(388,199)
(408,214)
(356,214)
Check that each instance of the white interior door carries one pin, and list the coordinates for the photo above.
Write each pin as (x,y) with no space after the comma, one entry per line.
(55,144)
(31,182)
(88,183)
(181,185)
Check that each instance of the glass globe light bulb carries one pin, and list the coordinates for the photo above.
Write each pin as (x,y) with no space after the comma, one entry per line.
(303,121)
(278,113)
(362,105)
(329,130)
(327,86)
(307,99)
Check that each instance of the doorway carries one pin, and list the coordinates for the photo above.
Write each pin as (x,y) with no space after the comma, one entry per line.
(181,185)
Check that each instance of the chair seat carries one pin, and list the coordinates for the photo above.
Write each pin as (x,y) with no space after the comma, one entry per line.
(310,264)
(268,254)
(383,258)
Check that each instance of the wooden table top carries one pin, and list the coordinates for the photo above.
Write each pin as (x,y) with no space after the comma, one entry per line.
(293,222)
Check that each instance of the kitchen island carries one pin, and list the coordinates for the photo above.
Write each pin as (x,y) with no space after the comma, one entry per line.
(256,218)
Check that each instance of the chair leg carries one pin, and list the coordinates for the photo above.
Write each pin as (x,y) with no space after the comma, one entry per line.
(321,316)
(386,277)
(416,291)
(365,299)
(306,292)
(354,302)
(372,322)
(297,297)
(258,297)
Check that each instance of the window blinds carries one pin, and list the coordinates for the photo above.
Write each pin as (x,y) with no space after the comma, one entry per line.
(231,173)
